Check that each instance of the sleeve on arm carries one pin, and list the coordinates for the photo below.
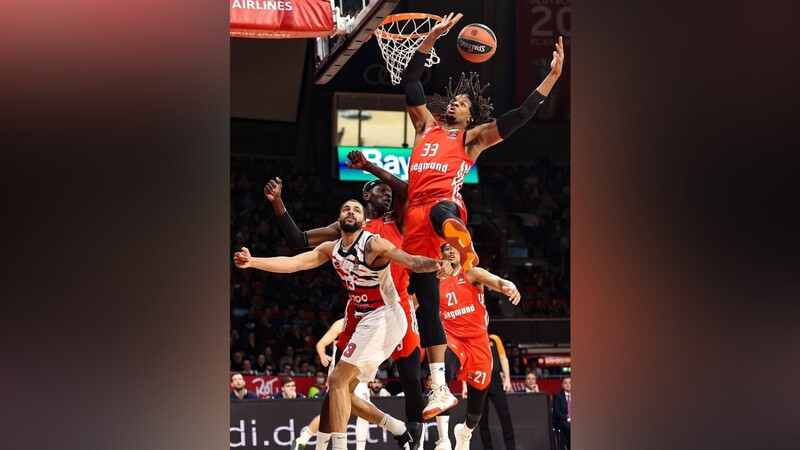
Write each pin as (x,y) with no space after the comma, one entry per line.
(501,350)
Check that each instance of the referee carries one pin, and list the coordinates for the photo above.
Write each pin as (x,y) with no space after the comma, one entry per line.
(499,385)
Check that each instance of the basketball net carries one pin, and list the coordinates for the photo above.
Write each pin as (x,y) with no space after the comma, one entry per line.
(400,35)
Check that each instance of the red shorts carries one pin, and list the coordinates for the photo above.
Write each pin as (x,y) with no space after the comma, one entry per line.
(419,238)
(411,339)
(476,359)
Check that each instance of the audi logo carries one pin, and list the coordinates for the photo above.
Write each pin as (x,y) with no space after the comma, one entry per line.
(377,74)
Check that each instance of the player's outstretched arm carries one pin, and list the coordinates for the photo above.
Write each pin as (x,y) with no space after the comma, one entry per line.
(294,236)
(415,95)
(357,160)
(326,340)
(477,275)
(484,136)
(285,264)
(378,249)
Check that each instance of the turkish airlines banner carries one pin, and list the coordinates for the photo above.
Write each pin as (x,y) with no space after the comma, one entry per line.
(539,24)
(281,19)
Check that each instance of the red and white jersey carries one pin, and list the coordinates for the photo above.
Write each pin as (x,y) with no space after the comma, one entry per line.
(368,288)
(437,167)
(386,227)
(462,308)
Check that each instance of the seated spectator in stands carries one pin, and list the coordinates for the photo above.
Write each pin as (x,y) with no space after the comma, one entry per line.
(239,392)
(250,345)
(309,340)
(530,383)
(261,363)
(247,367)
(306,369)
(562,414)
(376,388)
(287,357)
(237,344)
(294,338)
(268,354)
(517,367)
(236,361)
(533,366)
(288,389)
(320,388)
(286,370)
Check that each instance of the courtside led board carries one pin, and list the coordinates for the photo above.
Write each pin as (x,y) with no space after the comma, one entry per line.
(391,159)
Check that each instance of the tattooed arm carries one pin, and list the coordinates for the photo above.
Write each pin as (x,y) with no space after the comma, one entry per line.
(379,250)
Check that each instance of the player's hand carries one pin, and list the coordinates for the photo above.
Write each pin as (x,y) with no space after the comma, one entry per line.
(357,160)
(446,269)
(325,360)
(242,259)
(506,385)
(510,290)
(273,189)
(446,23)
(558,58)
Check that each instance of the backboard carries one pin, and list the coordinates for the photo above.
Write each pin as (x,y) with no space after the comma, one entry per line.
(355,22)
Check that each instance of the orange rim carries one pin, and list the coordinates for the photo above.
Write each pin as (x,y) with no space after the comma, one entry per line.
(383,34)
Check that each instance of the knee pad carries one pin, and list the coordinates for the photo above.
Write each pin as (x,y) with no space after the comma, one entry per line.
(442,211)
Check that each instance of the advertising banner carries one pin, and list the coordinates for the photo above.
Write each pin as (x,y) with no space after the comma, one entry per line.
(263,424)
(391,159)
(281,19)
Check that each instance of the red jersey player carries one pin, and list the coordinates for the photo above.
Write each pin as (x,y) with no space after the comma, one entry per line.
(444,150)
(466,322)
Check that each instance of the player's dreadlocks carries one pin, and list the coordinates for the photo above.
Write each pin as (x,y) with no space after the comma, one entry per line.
(481,108)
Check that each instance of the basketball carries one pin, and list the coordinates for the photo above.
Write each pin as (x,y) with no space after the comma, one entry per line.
(476,42)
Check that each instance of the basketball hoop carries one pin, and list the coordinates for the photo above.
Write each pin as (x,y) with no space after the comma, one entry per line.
(399,35)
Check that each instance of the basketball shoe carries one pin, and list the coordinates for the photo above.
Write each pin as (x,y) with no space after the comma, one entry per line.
(462,437)
(457,235)
(439,400)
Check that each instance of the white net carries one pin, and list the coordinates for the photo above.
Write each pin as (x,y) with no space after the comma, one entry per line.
(398,38)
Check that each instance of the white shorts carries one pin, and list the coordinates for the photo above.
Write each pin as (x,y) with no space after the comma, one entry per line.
(362,391)
(374,339)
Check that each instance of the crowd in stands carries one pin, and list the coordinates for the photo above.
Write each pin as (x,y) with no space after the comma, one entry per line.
(277,319)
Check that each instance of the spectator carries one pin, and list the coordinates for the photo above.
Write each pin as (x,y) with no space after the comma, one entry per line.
(288,356)
(376,388)
(288,389)
(320,388)
(261,364)
(247,367)
(286,370)
(562,414)
(239,392)
(236,361)
(530,383)
(250,347)
(517,367)
(306,369)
